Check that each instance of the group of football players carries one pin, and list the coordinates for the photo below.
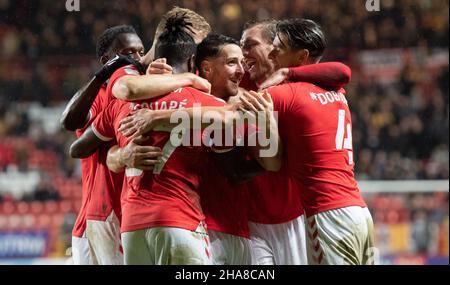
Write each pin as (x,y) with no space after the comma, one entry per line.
(148,200)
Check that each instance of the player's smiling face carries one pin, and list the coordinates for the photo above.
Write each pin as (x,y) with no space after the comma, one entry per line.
(130,45)
(225,72)
(256,51)
(282,55)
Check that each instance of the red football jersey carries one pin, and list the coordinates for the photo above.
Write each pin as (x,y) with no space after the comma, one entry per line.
(87,180)
(225,205)
(316,129)
(107,185)
(168,196)
(274,198)
(88,165)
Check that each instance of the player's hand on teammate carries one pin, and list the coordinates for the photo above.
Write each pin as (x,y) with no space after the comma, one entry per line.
(200,83)
(112,65)
(159,66)
(137,123)
(257,102)
(280,76)
(134,155)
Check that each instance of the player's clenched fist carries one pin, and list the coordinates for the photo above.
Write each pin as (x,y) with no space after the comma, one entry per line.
(113,64)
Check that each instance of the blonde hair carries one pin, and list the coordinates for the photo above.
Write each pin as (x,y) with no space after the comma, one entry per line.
(199,24)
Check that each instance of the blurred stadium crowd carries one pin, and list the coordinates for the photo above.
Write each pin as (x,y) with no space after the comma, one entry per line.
(400,110)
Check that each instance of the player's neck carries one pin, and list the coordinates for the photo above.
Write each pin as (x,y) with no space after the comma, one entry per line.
(177,69)
(262,79)
(264,76)
(219,92)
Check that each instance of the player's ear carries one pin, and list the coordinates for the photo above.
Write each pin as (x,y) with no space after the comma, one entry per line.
(302,57)
(191,64)
(205,69)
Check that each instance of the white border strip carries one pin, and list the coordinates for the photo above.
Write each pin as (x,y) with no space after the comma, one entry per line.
(404,186)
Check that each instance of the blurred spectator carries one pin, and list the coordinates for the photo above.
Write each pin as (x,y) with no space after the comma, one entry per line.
(44,192)
(420,232)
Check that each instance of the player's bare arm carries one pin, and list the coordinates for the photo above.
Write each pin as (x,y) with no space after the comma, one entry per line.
(145,120)
(142,121)
(76,114)
(85,145)
(133,155)
(133,88)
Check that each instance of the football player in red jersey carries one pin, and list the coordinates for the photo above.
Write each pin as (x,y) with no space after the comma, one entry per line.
(116,47)
(289,247)
(163,222)
(277,218)
(316,128)
(257,43)
(102,191)
(227,222)
(219,60)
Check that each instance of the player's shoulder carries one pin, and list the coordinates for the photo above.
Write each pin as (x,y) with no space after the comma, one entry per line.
(126,70)
(131,70)
(293,86)
(200,95)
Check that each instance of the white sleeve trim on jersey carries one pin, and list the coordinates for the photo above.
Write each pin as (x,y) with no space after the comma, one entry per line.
(100,136)
(130,70)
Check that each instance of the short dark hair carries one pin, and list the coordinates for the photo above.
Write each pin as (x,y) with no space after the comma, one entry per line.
(269,26)
(304,34)
(175,43)
(107,38)
(211,46)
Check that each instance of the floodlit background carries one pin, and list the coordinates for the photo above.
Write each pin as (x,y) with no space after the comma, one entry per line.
(398,95)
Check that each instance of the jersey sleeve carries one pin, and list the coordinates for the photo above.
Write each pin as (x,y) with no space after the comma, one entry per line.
(95,109)
(103,125)
(328,74)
